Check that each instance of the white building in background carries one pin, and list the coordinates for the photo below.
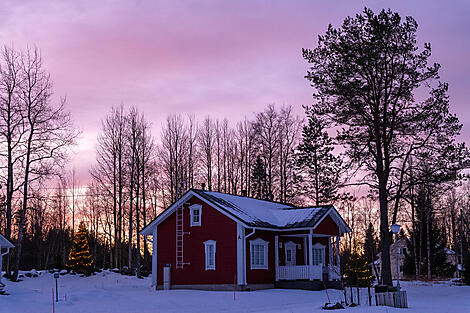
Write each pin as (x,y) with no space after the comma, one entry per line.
(401,246)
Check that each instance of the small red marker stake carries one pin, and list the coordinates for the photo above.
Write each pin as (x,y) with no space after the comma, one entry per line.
(326,289)
(53,309)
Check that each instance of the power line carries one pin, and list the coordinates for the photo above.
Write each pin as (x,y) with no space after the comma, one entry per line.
(62,196)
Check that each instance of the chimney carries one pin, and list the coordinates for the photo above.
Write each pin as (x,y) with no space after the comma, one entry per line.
(244,192)
(203,186)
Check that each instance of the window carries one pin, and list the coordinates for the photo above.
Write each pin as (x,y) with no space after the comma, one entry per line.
(209,247)
(289,255)
(318,253)
(259,254)
(196,210)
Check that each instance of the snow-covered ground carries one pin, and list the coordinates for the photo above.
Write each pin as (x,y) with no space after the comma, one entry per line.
(114,293)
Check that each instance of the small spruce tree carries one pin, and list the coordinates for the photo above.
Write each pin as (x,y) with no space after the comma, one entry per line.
(357,272)
(80,258)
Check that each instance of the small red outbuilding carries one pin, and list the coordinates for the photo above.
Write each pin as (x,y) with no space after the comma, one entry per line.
(212,240)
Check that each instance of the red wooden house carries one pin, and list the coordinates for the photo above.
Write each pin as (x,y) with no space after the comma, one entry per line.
(212,240)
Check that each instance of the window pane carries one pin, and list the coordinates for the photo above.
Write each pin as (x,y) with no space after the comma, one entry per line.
(195,216)
(211,254)
(261,255)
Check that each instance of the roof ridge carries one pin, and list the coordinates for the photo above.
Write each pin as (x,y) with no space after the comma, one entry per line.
(310,207)
(246,197)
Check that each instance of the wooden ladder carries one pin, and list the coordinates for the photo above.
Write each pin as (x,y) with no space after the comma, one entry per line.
(180,237)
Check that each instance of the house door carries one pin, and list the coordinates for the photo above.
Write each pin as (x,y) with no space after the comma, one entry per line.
(290,253)
(318,254)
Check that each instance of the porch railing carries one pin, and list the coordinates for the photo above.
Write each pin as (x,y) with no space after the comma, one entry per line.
(295,272)
(334,272)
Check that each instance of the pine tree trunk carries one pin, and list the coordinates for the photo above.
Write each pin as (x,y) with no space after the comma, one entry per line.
(384,234)
(413,223)
(428,243)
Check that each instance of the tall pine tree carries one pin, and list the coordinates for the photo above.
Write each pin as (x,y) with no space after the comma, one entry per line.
(259,184)
(319,169)
(80,258)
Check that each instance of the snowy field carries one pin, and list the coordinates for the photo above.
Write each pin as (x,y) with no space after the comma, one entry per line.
(114,293)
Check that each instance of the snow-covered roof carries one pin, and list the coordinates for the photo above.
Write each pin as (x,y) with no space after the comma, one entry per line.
(259,213)
(4,243)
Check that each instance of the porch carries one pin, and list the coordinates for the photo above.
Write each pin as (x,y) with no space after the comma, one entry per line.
(307,257)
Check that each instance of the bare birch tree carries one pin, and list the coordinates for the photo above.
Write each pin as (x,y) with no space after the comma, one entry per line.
(49,133)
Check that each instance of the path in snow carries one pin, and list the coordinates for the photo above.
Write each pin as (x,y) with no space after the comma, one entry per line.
(113,293)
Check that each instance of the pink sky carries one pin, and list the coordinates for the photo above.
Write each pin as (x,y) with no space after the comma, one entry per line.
(223,58)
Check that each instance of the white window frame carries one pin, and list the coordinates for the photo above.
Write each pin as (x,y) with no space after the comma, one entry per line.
(207,244)
(322,247)
(193,208)
(264,244)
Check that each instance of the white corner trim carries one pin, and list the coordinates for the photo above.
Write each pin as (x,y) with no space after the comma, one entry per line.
(193,208)
(241,255)
(259,241)
(208,243)
(154,257)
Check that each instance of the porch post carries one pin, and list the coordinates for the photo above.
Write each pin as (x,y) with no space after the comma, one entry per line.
(337,253)
(305,251)
(276,256)
(330,252)
(1,255)
(310,256)
(330,258)
(154,258)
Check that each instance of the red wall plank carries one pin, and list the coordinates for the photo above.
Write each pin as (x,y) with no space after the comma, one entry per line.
(215,226)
